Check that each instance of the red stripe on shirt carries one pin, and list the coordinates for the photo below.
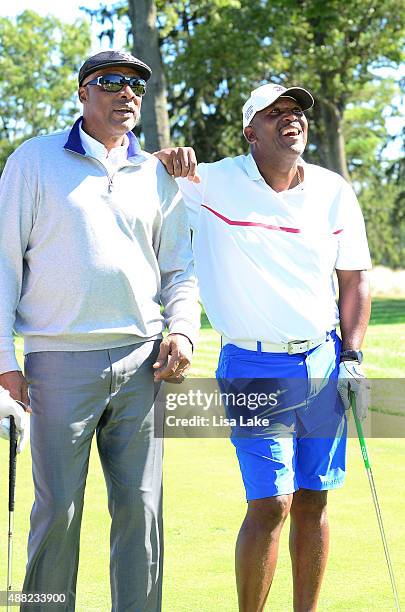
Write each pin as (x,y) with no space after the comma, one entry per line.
(292,230)
(252,223)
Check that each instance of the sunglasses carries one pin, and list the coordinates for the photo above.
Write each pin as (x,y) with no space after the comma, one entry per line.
(116,82)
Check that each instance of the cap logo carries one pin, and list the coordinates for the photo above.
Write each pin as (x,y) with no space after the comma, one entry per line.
(278,88)
(248,112)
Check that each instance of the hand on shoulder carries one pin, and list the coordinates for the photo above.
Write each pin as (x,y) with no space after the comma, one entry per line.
(179,162)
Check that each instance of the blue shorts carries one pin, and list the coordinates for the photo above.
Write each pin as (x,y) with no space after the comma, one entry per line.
(296,437)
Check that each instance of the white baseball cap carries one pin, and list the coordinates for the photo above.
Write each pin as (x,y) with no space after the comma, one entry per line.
(265,95)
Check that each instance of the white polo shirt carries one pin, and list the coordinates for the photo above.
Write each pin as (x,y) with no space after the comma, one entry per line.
(265,260)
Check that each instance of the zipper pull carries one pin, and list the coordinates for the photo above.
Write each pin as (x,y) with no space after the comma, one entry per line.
(110,184)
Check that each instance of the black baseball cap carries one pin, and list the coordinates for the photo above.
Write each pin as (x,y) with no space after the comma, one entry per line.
(113,58)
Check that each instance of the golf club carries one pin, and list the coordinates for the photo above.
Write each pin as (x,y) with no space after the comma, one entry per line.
(374,495)
(11,495)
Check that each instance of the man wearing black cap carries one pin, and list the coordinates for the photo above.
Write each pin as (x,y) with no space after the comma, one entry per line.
(270,230)
(93,241)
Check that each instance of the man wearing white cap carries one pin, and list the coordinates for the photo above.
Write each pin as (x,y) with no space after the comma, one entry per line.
(269,232)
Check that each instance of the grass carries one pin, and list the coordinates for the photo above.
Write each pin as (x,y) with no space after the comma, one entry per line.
(204,506)
(384,346)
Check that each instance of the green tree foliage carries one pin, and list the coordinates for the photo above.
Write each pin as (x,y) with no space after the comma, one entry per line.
(365,130)
(385,223)
(216,51)
(224,48)
(379,183)
(39,61)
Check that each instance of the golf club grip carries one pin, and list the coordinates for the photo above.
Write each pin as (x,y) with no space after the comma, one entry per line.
(12,464)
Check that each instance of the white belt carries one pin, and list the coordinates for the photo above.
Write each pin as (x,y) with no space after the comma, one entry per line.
(292,348)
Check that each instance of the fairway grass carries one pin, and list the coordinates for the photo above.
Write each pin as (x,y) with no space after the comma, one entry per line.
(204,506)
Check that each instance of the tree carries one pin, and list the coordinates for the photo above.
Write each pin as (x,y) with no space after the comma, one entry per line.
(376,180)
(144,37)
(365,131)
(229,47)
(385,222)
(216,51)
(155,118)
(39,62)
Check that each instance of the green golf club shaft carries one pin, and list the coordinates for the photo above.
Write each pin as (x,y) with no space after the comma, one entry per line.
(374,495)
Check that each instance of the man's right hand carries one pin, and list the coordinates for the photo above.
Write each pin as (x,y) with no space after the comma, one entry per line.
(15,383)
(179,162)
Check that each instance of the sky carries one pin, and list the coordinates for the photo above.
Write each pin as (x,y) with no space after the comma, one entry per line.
(69,11)
(65,10)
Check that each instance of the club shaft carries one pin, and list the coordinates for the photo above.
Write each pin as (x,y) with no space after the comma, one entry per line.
(12,465)
(370,477)
(10,550)
(383,537)
(11,499)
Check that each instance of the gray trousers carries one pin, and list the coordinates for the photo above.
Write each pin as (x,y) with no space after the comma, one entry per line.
(74,395)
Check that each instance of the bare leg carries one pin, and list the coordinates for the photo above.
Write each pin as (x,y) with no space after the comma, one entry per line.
(257,550)
(309,545)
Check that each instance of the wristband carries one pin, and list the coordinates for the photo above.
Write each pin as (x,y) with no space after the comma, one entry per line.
(351,355)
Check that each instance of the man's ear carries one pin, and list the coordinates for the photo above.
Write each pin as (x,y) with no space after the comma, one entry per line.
(82,94)
(250,134)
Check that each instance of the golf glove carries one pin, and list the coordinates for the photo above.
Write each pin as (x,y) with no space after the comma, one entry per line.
(9,407)
(351,378)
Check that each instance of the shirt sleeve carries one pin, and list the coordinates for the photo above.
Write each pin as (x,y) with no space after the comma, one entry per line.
(353,251)
(179,292)
(193,194)
(17,218)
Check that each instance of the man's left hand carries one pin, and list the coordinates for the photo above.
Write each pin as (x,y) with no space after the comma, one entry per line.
(351,378)
(17,410)
(179,162)
(174,359)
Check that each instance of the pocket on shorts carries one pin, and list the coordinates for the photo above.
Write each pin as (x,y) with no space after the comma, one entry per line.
(322,364)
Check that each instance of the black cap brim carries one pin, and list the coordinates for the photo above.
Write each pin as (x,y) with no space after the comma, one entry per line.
(303,97)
